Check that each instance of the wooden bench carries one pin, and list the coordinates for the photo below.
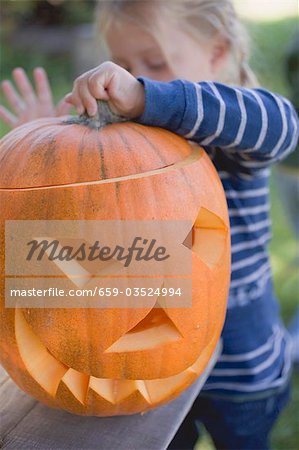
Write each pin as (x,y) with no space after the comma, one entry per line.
(27,424)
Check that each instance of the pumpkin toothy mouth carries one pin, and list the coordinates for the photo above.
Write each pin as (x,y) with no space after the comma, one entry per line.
(51,374)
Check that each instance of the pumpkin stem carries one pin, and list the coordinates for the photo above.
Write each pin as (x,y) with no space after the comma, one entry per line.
(103,117)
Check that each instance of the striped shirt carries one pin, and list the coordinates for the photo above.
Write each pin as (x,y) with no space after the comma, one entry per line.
(244,131)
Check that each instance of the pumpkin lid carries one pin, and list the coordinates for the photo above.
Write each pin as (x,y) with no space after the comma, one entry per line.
(57,151)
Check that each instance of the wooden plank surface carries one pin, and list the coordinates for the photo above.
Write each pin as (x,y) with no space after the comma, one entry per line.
(3,375)
(15,405)
(27,424)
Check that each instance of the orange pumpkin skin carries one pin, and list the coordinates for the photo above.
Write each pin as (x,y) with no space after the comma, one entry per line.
(51,170)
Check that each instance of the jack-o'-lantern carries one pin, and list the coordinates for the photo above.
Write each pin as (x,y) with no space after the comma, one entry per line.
(113,360)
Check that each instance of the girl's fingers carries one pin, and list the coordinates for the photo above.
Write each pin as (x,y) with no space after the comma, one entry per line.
(13,97)
(43,88)
(7,117)
(96,88)
(24,85)
(89,102)
(74,100)
(68,98)
(63,108)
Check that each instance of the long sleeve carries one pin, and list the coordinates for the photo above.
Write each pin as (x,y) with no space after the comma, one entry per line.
(254,127)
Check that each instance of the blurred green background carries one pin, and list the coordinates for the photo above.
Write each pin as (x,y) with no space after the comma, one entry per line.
(270,40)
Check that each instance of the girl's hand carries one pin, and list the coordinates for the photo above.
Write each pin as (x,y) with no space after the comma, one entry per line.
(112,83)
(29,104)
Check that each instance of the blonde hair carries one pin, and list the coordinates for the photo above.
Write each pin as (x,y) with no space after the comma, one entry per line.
(200,18)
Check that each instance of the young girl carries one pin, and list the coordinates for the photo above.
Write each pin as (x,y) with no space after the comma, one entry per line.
(182,65)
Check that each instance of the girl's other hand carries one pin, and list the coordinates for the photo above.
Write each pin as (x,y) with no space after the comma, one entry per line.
(29,103)
(110,82)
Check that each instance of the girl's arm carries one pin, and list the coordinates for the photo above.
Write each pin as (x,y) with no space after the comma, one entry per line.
(253,126)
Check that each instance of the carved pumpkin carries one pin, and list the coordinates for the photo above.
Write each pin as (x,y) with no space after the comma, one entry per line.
(113,361)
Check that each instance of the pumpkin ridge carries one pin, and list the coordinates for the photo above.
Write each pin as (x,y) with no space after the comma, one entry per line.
(127,147)
(16,141)
(101,153)
(149,143)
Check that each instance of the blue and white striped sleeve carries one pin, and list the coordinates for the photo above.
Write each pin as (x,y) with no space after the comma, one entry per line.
(253,126)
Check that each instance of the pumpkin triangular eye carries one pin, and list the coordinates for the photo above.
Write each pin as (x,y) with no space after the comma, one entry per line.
(189,239)
(153,331)
(207,237)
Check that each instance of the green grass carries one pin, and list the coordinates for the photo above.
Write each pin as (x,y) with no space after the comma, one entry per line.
(286,281)
(270,40)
